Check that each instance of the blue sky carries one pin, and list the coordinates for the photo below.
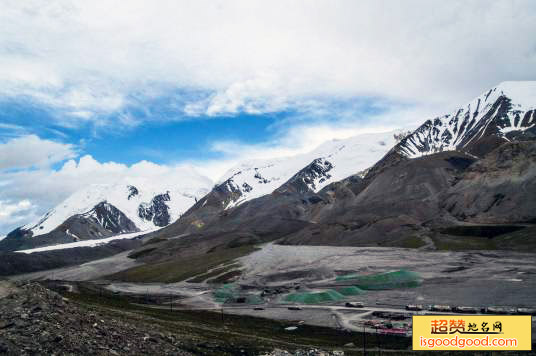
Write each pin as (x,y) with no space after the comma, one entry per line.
(89,90)
(164,134)
(158,141)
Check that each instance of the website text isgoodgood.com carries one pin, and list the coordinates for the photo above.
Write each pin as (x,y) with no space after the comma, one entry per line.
(461,342)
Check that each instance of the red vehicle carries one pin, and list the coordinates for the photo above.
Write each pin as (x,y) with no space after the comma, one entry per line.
(402,332)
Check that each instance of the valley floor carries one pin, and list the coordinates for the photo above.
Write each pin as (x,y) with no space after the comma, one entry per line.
(473,278)
(476,279)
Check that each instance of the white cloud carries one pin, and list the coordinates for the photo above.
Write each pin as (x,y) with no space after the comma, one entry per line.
(92,58)
(297,140)
(32,151)
(56,185)
(261,94)
(7,210)
(14,214)
(304,136)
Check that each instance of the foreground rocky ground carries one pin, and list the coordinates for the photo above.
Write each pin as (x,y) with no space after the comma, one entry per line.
(37,321)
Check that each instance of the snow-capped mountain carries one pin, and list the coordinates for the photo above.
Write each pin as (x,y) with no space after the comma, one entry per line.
(502,112)
(148,206)
(332,161)
(369,191)
(103,210)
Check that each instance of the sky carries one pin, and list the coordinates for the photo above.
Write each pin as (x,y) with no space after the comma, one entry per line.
(95,91)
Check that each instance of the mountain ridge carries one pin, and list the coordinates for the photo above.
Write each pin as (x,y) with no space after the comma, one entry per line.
(490,114)
(399,201)
(308,186)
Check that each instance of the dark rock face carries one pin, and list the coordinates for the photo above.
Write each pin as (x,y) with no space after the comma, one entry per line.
(36,320)
(393,204)
(291,197)
(207,209)
(501,188)
(308,177)
(15,239)
(156,211)
(229,192)
(102,221)
(19,233)
(260,178)
(112,219)
(207,225)
(132,191)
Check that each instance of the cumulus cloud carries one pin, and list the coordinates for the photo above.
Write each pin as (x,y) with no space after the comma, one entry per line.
(15,213)
(7,209)
(32,151)
(50,186)
(88,59)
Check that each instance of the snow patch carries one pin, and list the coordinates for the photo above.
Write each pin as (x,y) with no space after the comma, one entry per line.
(86,243)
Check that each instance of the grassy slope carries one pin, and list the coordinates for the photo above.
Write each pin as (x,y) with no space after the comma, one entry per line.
(213,273)
(176,270)
(523,240)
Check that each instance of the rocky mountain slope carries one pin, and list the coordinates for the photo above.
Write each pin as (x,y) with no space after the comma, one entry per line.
(472,167)
(91,320)
(101,211)
(290,177)
(500,188)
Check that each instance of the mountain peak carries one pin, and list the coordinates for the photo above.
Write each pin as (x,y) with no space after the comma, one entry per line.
(497,115)
(127,198)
